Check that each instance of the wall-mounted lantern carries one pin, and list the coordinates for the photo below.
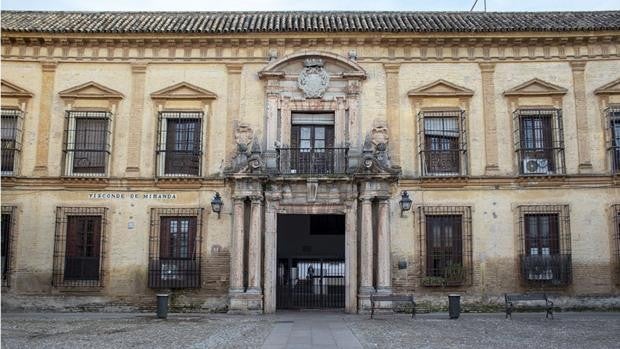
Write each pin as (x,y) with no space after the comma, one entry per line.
(405,202)
(216,204)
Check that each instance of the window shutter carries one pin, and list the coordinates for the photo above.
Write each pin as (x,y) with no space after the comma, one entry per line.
(295,129)
(329,136)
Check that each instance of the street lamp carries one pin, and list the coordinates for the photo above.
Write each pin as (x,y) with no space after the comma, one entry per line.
(405,202)
(216,204)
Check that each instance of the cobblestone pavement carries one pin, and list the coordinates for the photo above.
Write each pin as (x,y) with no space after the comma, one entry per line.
(309,330)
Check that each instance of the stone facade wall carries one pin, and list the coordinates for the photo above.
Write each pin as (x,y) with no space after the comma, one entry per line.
(230,71)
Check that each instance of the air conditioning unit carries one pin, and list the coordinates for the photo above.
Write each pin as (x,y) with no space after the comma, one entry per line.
(535,166)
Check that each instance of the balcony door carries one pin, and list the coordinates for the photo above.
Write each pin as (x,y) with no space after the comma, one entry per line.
(312,142)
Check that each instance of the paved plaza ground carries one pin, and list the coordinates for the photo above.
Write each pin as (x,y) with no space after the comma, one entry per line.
(309,330)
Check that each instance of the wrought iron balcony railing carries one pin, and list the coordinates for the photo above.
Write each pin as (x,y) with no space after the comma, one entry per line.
(316,161)
(553,270)
(443,162)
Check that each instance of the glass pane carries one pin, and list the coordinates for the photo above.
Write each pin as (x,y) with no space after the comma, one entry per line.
(305,132)
(319,144)
(8,127)
(319,133)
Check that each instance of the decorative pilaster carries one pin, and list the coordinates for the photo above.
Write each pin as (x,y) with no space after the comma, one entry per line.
(393,110)
(134,122)
(490,123)
(366,258)
(384,271)
(45,117)
(271,248)
(254,248)
(233,93)
(237,246)
(579,88)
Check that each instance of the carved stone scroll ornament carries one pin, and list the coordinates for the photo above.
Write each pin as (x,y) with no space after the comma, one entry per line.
(248,158)
(313,79)
(375,154)
(243,136)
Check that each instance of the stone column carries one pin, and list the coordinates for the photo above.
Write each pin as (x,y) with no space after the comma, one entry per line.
(271,219)
(384,263)
(393,110)
(583,142)
(236,254)
(134,122)
(45,117)
(254,248)
(490,123)
(366,258)
(350,252)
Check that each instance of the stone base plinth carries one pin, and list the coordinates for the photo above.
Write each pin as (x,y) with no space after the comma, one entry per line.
(245,303)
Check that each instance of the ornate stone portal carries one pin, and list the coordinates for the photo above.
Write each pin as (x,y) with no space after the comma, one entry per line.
(310,83)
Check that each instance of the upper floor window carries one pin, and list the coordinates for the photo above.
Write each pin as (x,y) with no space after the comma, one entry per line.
(446,237)
(539,141)
(87,143)
(613,122)
(442,143)
(545,244)
(11,140)
(179,150)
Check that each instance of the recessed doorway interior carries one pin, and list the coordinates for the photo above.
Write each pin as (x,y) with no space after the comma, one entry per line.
(311,261)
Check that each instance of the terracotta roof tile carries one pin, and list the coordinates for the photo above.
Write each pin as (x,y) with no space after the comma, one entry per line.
(243,22)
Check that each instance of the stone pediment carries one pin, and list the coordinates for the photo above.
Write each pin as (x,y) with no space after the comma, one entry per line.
(611,88)
(536,87)
(10,90)
(91,90)
(441,88)
(335,65)
(183,90)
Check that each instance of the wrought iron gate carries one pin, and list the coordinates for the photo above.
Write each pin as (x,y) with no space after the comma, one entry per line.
(310,283)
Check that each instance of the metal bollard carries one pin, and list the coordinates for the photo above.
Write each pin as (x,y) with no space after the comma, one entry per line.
(454,305)
(162,305)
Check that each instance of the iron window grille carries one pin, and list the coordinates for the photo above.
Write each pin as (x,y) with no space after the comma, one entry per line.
(613,143)
(12,122)
(442,143)
(79,247)
(175,248)
(8,231)
(179,148)
(545,245)
(539,141)
(87,143)
(446,237)
(616,232)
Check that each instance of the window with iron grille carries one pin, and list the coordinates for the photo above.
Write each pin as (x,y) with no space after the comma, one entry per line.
(545,251)
(8,223)
(179,149)
(613,146)
(616,232)
(446,256)
(87,143)
(11,140)
(539,141)
(442,143)
(78,246)
(174,248)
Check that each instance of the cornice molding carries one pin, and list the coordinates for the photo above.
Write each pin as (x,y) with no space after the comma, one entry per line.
(90,90)
(11,90)
(536,87)
(611,88)
(440,88)
(183,90)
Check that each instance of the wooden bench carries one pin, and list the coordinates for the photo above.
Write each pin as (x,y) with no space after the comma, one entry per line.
(511,298)
(391,298)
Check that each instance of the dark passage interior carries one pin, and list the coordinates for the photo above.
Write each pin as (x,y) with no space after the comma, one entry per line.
(310,261)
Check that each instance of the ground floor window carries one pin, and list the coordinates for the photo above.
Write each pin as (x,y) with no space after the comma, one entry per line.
(8,221)
(445,234)
(545,255)
(78,246)
(174,251)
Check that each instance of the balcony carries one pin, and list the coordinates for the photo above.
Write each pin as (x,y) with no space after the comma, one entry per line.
(614,153)
(552,270)
(446,163)
(312,161)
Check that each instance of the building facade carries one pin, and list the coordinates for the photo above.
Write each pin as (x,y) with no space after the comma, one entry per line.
(251,162)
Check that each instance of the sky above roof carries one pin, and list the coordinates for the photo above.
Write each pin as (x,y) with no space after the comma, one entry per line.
(317,5)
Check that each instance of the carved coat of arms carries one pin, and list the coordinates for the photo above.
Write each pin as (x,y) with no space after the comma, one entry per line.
(313,79)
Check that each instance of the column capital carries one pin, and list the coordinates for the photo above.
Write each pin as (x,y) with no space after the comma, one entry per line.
(234,68)
(487,67)
(365,198)
(391,68)
(578,65)
(138,68)
(49,66)
(256,199)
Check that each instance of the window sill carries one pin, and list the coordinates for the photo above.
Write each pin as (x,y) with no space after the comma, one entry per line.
(85,181)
